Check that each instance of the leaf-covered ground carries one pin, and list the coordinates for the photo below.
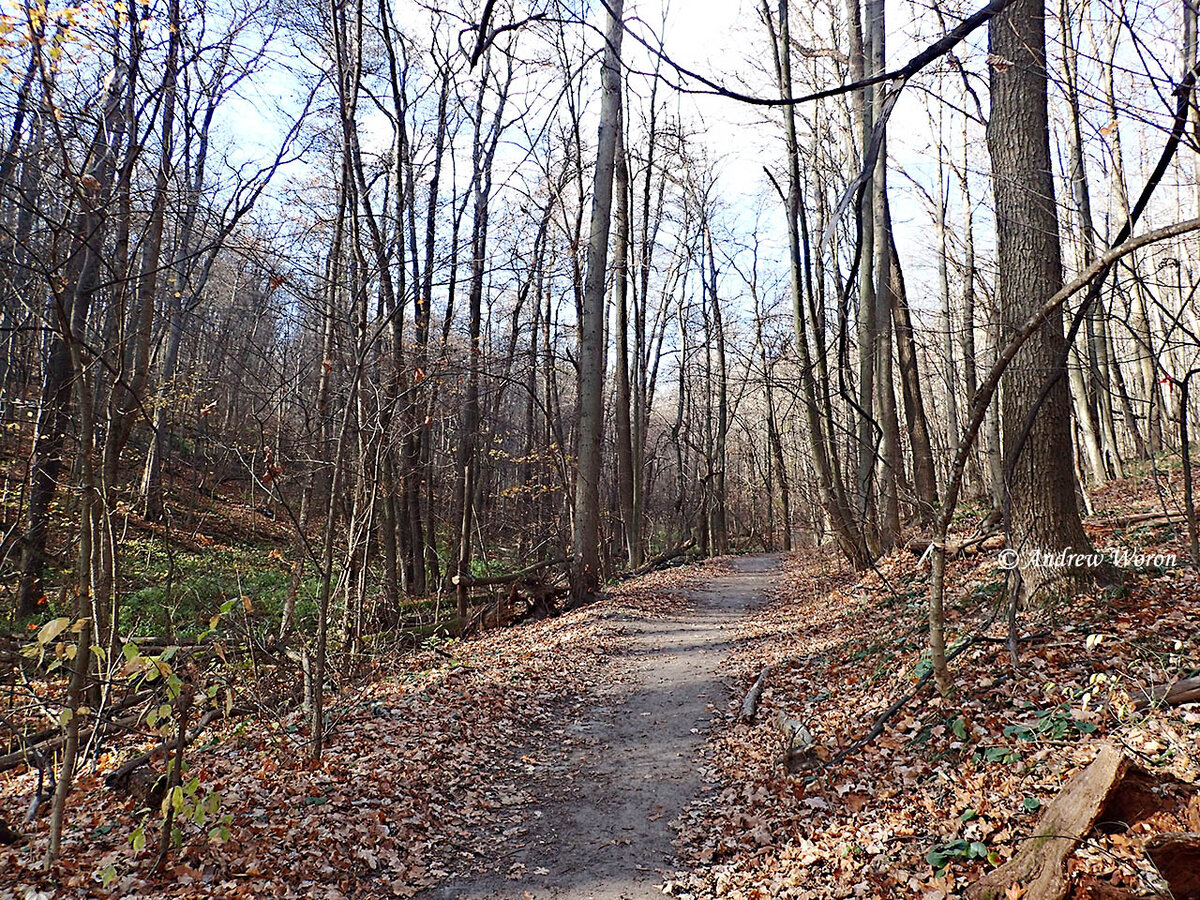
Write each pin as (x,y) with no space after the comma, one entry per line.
(432,771)
(425,772)
(950,787)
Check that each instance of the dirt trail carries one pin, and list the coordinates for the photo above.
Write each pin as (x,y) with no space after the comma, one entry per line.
(599,827)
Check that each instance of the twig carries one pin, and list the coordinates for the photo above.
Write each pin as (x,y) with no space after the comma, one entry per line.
(877,728)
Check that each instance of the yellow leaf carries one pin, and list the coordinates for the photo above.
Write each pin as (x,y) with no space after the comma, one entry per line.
(53,629)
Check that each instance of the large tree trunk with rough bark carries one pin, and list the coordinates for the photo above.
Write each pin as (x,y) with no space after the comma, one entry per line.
(1042,509)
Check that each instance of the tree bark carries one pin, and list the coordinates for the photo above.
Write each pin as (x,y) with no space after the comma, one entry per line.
(585,569)
(924,472)
(630,530)
(833,498)
(1042,511)
(66,316)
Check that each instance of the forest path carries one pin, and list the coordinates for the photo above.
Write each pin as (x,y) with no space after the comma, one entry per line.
(599,829)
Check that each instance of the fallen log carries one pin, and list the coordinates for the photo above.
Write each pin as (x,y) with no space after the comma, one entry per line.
(18,742)
(12,760)
(540,599)
(532,599)
(1186,690)
(989,540)
(119,777)
(659,561)
(1145,518)
(753,696)
(1040,866)
(797,741)
(494,580)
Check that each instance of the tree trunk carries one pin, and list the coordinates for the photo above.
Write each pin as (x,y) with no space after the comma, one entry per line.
(861,41)
(585,570)
(833,498)
(924,473)
(1042,513)
(773,438)
(630,530)
(891,470)
(468,465)
(719,518)
(66,316)
(1084,396)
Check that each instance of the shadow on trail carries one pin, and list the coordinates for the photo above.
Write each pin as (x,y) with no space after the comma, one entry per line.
(598,826)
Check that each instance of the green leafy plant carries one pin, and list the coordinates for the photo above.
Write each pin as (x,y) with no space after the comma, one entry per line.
(1054,724)
(940,856)
(188,803)
(997,754)
(987,591)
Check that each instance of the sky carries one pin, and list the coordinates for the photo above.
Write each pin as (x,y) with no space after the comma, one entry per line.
(710,36)
(717,39)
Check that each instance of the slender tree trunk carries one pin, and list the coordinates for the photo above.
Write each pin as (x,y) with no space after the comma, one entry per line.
(1145,383)
(623,404)
(720,517)
(151,487)
(779,467)
(891,470)
(67,315)
(924,471)
(868,327)
(90,504)
(948,355)
(467,463)
(832,495)
(1083,399)
(585,570)
(125,401)
(969,362)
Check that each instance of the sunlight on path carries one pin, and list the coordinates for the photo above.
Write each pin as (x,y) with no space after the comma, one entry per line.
(601,829)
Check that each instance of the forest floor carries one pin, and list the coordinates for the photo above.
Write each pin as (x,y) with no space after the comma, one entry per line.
(600,754)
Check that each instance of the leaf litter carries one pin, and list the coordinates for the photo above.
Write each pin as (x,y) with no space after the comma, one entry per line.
(432,772)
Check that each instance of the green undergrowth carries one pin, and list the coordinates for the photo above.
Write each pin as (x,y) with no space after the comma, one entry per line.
(176,593)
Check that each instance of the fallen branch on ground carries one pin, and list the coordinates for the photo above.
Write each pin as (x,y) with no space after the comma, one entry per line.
(797,741)
(19,742)
(988,540)
(1186,690)
(659,561)
(509,578)
(899,704)
(117,778)
(539,601)
(1145,518)
(12,760)
(1040,864)
(750,703)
